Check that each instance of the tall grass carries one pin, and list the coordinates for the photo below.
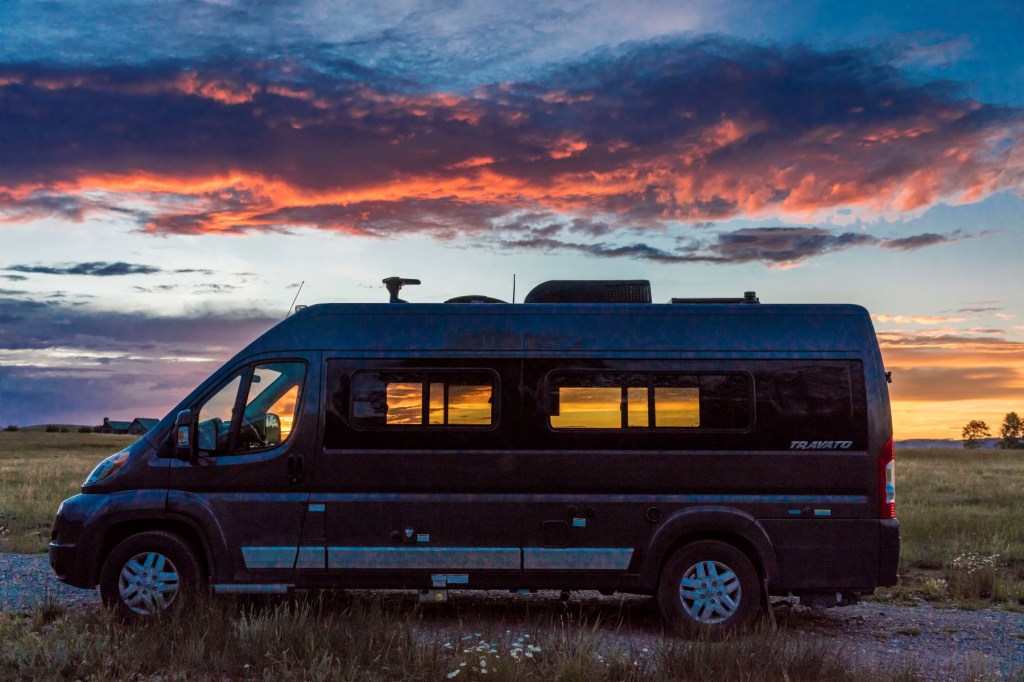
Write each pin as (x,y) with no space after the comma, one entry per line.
(961,517)
(37,471)
(337,638)
(954,502)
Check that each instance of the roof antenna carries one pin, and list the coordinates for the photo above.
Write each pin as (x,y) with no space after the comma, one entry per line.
(513,287)
(395,284)
(294,299)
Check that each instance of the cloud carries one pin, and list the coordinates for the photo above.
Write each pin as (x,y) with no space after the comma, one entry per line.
(100,269)
(454,43)
(627,140)
(941,375)
(939,384)
(916,319)
(984,309)
(785,244)
(59,362)
(780,246)
(956,343)
(920,240)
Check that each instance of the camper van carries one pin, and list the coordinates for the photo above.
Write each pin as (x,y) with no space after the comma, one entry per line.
(709,452)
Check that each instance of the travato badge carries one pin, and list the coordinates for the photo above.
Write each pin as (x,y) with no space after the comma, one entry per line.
(820,445)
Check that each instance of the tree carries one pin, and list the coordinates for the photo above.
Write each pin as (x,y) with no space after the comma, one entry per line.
(1012,432)
(974,432)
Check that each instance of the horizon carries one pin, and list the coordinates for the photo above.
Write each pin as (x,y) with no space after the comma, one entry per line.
(162,200)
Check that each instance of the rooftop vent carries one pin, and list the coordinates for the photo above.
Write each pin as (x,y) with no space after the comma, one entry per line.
(474,298)
(591,291)
(748,297)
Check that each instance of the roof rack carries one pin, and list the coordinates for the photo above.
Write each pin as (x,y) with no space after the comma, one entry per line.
(748,297)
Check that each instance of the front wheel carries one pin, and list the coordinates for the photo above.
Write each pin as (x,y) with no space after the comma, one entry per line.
(146,574)
(709,588)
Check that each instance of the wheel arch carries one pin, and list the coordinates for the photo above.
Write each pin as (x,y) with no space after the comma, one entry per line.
(724,524)
(183,527)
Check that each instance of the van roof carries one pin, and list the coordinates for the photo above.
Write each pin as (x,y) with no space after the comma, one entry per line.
(679,329)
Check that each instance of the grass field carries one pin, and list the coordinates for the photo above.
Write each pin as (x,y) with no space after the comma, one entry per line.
(962,545)
(962,525)
(334,636)
(960,511)
(38,471)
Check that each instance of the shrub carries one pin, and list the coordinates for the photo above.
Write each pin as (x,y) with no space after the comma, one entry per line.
(12,427)
(84,429)
(973,576)
(52,428)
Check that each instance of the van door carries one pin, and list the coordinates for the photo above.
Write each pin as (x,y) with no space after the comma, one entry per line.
(418,471)
(256,430)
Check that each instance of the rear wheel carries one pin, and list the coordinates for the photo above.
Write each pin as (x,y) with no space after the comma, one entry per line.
(146,575)
(709,588)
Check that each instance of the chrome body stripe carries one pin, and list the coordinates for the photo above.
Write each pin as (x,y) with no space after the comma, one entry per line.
(499,558)
(269,557)
(495,558)
(283,558)
(312,558)
(250,588)
(577,559)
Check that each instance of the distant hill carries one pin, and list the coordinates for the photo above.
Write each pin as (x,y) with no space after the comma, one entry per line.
(944,443)
(73,428)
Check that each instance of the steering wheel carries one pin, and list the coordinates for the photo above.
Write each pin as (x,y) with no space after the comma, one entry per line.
(250,436)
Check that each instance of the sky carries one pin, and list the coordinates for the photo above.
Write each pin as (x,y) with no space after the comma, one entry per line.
(172,171)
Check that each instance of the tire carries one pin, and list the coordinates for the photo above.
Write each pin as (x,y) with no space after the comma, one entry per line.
(709,589)
(146,575)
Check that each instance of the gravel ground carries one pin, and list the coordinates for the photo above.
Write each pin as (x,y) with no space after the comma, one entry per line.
(938,643)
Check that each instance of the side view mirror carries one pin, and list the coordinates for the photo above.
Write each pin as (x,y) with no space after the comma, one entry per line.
(184,436)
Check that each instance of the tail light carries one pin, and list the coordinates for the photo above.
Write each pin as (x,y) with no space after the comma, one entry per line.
(887,481)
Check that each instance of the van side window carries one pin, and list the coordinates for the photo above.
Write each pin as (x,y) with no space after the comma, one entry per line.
(633,400)
(264,419)
(216,418)
(385,399)
(271,405)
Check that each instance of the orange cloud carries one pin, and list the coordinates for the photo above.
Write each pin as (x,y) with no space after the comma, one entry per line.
(917,319)
(942,381)
(621,140)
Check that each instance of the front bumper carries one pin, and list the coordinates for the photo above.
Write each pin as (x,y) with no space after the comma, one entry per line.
(63,562)
(71,557)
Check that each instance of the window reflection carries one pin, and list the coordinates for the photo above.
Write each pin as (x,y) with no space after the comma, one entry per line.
(591,407)
(637,410)
(404,403)
(676,407)
(613,400)
(284,408)
(469,405)
(436,402)
(271,406)
(398,399)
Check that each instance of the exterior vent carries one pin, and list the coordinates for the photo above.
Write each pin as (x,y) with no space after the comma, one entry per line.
(474,298)
(591,291)
(748,297)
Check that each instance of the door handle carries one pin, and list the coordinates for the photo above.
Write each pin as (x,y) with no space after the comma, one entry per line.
(294,469)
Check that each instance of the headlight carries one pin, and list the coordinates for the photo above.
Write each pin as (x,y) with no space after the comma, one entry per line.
(107,467)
